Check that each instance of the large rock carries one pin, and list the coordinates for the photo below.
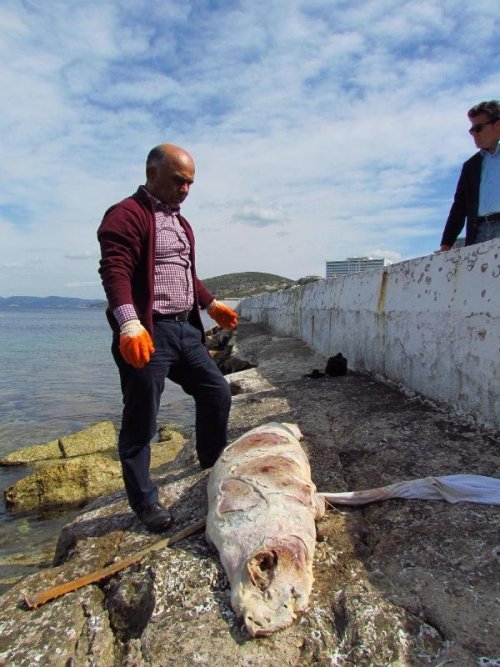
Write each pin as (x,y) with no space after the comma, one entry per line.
(167,448)
(222,349)
(77,480)
(25,455)
(71,482)
(99,437)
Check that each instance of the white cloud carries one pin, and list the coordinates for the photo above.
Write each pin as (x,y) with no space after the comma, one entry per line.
(388,254)
(258,216)
(320,130)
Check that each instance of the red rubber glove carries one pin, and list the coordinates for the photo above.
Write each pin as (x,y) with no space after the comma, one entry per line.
(136,346)
(225,317)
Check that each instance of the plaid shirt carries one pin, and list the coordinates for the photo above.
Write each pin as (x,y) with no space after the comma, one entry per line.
(173,284)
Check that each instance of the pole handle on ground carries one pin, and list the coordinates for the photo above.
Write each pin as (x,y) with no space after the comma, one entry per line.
(37,599)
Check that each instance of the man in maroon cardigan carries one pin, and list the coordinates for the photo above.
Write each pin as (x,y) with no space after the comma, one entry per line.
(148,272)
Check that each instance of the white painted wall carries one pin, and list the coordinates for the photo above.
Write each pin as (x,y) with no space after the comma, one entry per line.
(431,324)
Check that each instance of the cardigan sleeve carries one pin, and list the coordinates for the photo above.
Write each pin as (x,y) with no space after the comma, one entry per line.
(121,235)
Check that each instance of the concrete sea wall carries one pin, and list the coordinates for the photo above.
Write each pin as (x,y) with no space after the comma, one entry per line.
(431,324)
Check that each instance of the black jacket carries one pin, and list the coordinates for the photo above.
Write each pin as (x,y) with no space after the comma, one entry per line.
(465,204)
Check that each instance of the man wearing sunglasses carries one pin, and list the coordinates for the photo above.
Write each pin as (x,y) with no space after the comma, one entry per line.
(477,198)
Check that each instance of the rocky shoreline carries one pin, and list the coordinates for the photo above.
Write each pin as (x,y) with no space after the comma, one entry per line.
(398,583)
(60,478)
(74,469)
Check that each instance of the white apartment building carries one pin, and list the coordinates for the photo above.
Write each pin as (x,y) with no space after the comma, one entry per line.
(354,265)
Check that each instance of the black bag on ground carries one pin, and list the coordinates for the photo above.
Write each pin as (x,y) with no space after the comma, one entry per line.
(336,365)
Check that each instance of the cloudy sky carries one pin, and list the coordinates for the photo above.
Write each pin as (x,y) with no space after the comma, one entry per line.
(321,129)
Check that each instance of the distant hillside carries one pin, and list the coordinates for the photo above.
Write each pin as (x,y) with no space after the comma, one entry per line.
(239,285)
(48,302)
(230,285)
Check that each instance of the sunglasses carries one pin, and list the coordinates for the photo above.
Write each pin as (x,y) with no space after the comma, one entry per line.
(479,126)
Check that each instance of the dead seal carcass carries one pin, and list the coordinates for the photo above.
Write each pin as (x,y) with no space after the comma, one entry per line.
(262,506)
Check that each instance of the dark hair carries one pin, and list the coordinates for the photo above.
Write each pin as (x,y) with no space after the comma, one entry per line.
(490,109)
(156,156)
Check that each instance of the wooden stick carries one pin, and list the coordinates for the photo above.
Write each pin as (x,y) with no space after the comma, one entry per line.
(98,575)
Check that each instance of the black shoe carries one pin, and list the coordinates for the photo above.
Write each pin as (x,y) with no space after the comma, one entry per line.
(315,374)
(156,518)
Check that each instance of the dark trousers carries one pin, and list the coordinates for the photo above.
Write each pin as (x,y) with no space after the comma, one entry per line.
(181,356)
(487,231)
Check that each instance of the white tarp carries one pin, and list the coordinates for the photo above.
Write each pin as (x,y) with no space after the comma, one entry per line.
(453,488)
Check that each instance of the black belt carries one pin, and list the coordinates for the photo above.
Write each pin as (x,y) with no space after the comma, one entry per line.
(177,317)
(491,217)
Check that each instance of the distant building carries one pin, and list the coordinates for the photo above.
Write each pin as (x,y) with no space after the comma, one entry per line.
(354,265)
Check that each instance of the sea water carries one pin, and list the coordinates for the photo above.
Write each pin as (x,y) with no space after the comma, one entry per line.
(57,376)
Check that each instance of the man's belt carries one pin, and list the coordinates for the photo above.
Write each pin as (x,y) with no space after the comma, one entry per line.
(491,217)
(177,317)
